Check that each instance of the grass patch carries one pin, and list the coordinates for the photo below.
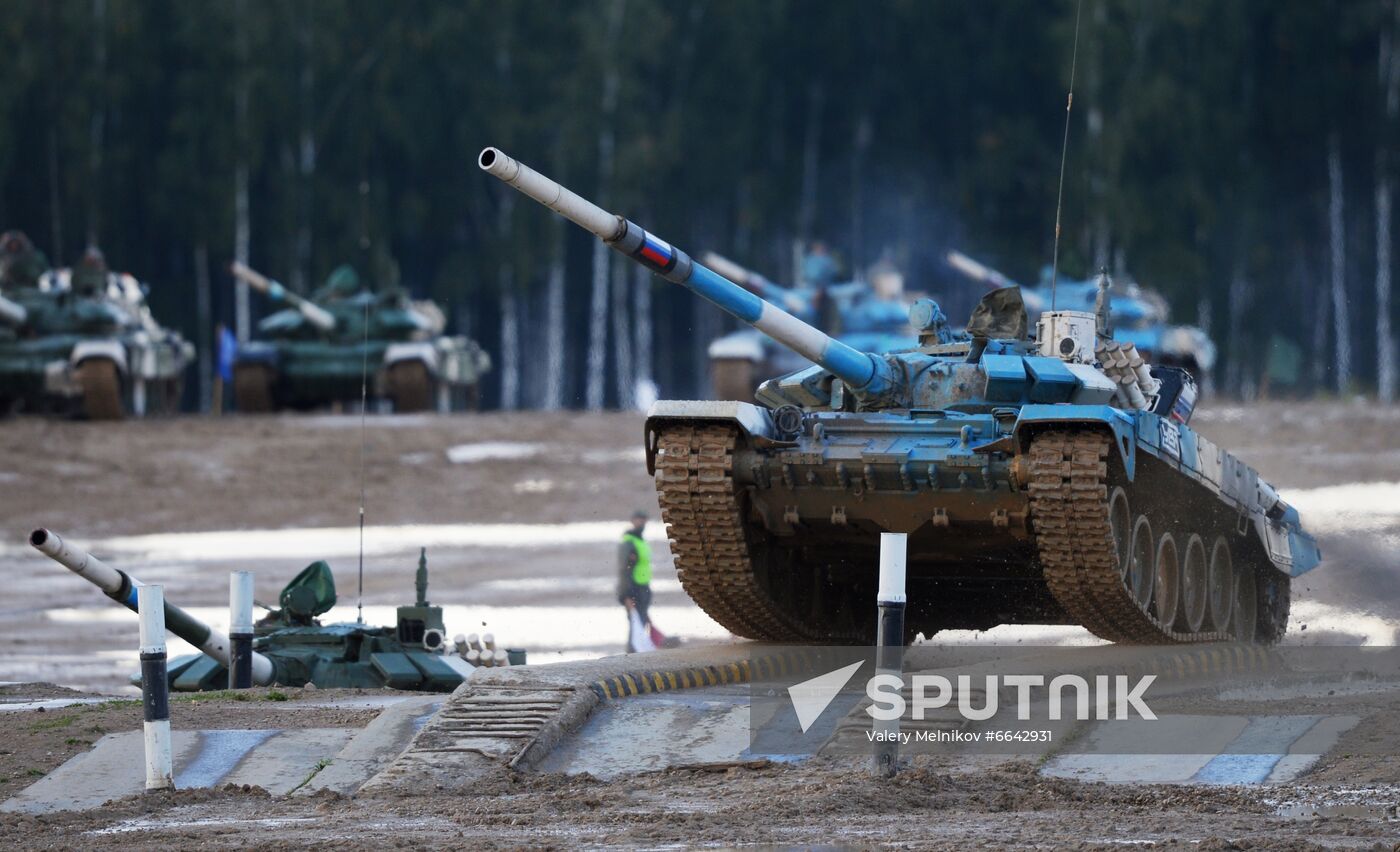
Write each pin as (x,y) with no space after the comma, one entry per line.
(275,695)
(115,702)
(320,764)
(217,695)
(76,741)
(37,773)
(56,722)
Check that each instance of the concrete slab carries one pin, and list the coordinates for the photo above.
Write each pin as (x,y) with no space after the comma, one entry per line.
(1228,750)
(375,747)
(277,760)
(657,731)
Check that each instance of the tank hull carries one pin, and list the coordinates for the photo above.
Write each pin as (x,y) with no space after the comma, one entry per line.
(1003,528)
(54,373)
(441,374)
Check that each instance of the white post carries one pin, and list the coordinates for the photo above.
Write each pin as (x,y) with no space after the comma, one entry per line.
(240,629)
(889,651)
(155,688)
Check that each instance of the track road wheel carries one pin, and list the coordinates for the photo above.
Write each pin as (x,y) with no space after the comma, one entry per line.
(1220,588)
(1167,594)
(1142,563)
(252,388)
(1194,584)
(410,387)
(101,385)
(733,378)
(1120,524)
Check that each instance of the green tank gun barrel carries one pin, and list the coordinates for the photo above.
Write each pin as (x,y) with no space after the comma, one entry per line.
(12,313)
(314,314)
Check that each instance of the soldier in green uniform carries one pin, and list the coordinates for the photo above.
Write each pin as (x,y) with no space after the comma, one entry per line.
(634,574)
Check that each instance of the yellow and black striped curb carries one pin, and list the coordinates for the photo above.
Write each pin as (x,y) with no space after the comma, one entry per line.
(692,677)
(1215,660)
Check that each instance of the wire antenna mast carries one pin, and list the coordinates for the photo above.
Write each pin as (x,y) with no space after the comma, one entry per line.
(1064,151)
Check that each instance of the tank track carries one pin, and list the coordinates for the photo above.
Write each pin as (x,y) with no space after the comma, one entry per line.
(1069,510)
(705,522)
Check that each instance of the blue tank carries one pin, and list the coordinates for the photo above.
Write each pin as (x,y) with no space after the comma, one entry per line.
(863,319)
(1139,315)
(1046,477)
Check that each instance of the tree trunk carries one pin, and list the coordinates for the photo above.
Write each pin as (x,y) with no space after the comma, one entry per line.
(811,164)
(622,337)
(555,341)
(205,333)
(1336,217)
(510,311)
(510,344)
(55,184)
(865,135)
(598,312)
(306,150)
(1390,79)
(1238,302)
(97,122)
(242,229)
(641,332)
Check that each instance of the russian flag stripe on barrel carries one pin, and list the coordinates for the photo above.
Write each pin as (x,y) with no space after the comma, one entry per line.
(656,251)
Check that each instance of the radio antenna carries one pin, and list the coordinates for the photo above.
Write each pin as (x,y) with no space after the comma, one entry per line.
(1064,151)
(364,401)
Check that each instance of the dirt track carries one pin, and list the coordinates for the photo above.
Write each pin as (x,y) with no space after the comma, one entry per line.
(135,479)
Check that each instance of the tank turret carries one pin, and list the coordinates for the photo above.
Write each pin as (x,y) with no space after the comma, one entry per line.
(314,313)
(12,313)
(866,375)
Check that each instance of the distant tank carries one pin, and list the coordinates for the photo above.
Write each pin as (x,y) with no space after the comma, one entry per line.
(1049,478)
(862,318)
(314,353)
(291,647)
(83,341)
(1139,315)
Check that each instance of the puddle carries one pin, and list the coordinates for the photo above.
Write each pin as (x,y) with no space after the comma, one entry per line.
(219,753)
(153,824)
(339,542)
(46,704)
(1310,812)
(493,451)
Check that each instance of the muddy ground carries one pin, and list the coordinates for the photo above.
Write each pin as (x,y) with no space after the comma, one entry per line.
(108,484)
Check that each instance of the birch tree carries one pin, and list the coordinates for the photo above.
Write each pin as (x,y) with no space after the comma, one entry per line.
(242,228)
(598,304)
(1336,235)
(1389,71)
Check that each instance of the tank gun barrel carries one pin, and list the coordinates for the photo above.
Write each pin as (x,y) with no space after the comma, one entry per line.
(315,314)
(863,372)
(121,587)
(978,271)
(755,282)
(12,313)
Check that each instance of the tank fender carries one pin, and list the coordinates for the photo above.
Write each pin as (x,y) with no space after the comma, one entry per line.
(418,351)
(112,350)
(1035,418)
(257,352)
(753,420)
